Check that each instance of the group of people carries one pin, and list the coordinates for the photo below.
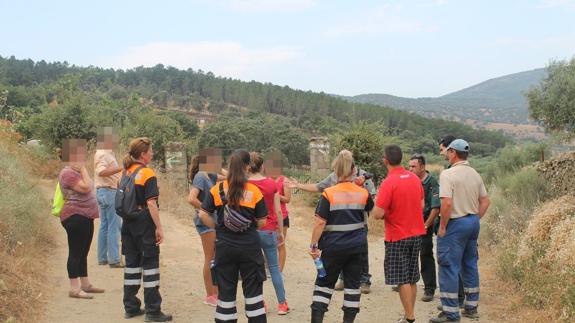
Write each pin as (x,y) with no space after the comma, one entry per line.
(242,219)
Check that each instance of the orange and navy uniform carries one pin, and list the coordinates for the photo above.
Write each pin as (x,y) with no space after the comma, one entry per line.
(343,207)
(252,205)
(139,247)
(146,184)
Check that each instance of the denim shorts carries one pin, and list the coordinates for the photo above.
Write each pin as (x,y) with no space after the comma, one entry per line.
(201,227)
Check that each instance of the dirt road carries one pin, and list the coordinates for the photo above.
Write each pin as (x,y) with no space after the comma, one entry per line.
(182,289)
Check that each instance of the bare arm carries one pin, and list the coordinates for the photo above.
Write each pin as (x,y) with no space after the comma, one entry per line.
(307,187)
(193,197)
(377,212)
(261,222)
(207,219)
(431,218)
(278,210)
(155,213)
(109,171)
(318,227)
(446,207)
(286,198)
(84,185)
(483,205)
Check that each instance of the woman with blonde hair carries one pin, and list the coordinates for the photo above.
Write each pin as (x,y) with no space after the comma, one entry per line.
(142,236)
(339,237)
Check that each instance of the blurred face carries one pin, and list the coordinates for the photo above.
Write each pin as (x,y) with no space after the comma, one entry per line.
(416,167)
(148,155)
(211,160)
(107,138)
(443,151)
(74,152)
(272,165)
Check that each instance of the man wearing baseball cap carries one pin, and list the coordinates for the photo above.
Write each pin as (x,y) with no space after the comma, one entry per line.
(464,201)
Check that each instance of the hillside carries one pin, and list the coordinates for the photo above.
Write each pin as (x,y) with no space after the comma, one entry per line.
(498,100)
(162,102)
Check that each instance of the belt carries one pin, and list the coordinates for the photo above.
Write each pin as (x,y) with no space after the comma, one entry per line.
(461,217)
(108,187)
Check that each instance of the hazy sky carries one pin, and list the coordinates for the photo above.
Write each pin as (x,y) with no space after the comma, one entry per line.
(407,48)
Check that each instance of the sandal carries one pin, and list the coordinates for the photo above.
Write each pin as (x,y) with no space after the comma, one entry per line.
(79,294)
(92,289)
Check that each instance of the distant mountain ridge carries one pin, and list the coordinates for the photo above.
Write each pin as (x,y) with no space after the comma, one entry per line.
(499,99)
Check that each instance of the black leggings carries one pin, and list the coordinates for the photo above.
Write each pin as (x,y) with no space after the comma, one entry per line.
(80,230)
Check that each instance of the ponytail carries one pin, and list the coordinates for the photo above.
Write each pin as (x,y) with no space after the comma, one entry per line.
(237,177)
(256,162)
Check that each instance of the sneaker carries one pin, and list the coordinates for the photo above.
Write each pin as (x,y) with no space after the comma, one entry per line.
(102,263)
(117,265)
(470,313)
(283,308)
(441,318)
(427,297)
(129,315)
(402,320)
(157,317)
(339,286)
(395,288)
(365,288)
(211,300)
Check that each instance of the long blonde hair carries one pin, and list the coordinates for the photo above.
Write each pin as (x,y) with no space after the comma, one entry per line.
(343,165)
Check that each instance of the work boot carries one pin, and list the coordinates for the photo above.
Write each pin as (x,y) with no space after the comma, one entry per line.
(348,317)
(427,297)
(441,318)
(470,313)
(129,315)
(365,288)
(317,316)
(157,317)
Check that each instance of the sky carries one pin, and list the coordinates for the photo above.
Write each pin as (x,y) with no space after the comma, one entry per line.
(419,48)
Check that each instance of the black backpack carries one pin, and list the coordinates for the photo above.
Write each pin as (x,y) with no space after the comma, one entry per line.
(126,205)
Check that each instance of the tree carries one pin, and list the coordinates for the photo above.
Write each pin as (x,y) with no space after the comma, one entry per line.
(552,102)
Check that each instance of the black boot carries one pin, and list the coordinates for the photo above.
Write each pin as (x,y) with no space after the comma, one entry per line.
(317,316)
(348,317)
(157,317)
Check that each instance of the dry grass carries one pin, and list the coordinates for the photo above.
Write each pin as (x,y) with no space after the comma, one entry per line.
(24,240)
(173,199)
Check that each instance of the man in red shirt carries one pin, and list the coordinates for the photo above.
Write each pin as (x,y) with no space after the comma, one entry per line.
(400,203)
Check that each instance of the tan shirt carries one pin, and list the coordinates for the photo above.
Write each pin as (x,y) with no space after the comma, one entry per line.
(464,186)
(103,159)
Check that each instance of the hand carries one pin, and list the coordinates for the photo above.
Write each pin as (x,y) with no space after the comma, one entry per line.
(292,182)
(281,239)
(159,236)
(359,180)
(441,232)
(314,253)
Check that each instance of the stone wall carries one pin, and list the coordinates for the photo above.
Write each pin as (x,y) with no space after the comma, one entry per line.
(319,156)
(559,172)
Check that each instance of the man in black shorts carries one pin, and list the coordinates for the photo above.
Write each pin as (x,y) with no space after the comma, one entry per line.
(400,203)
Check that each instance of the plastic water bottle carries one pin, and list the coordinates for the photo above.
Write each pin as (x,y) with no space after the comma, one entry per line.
(319,266)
